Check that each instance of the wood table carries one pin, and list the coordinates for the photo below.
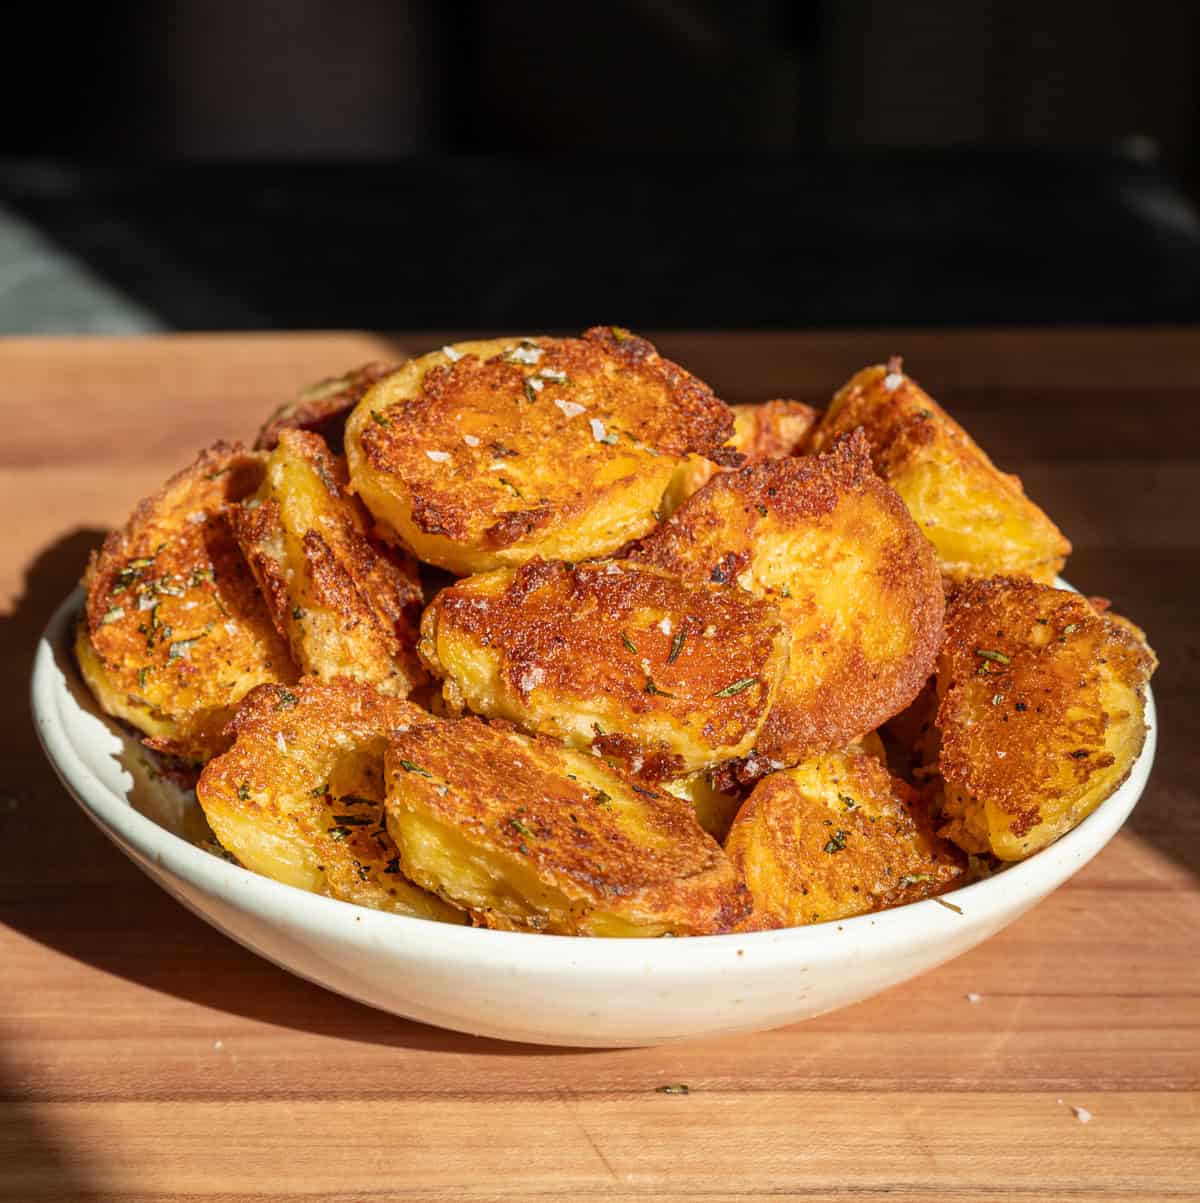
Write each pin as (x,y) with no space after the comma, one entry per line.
(145,1057)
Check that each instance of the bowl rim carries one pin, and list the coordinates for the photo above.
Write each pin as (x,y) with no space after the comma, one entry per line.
(910,924)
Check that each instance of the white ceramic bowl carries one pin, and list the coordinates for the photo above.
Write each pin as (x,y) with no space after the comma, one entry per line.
(538,989)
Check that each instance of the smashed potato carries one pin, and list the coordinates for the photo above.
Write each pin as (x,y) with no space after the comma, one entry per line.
(977,517)
(299,796)
(529,835)
(772,430)
(175,632)
(347,608)
(323,407)
(668,676)
(830,544)
(833,837)
(1041,713)
(488,454)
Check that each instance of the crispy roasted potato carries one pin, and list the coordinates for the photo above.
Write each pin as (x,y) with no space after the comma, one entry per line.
(175,632)
(1041,713)
(829,543)
(772,430)
(529,835)
(346,607)
(977,517)
(833,837)
(323,408)
(488,454)
(667,676)
(299,796)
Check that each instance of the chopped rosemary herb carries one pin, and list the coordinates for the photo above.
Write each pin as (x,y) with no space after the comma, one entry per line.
(143,673)
(650,687)
(646,793)
(339,833)
(508,484)
(112,614)
(519,827)
(836,842)
(912,879)
(530,391)
(628,643)
(244,791)
(736,687)
(676,646)
(949,905)
(997,698)
(409,767)
(601,798)
(786,591)
(181,649)
(287,700)
(1071,628)
(762,510)
(379,419)
(997,657)
(297,613)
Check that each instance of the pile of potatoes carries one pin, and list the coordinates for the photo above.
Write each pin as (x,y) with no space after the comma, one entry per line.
(539,634)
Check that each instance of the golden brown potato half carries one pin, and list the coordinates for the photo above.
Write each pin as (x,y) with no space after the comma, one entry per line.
(772,430)
(669,677)
(299,796)
(346,607)
(824,539)
(1042,713)
(977,517)
(833,837)
(529,835)
(323,407)
(175,632)
(488,454)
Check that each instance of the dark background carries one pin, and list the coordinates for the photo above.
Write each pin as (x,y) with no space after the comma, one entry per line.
(654,162)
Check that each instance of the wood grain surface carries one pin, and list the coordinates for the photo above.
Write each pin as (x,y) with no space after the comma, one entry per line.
(145,1057)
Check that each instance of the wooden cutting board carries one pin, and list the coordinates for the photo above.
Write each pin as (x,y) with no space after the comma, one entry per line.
(145,1057)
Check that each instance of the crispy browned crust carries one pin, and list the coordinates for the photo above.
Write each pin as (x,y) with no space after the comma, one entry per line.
(347,605)
(630,644)
(323,407)
(173,614)
(835,837)
(648,404)
(906,428)
(859,651)
(622,849)
(306,768)
(770,430)
(1023,720)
